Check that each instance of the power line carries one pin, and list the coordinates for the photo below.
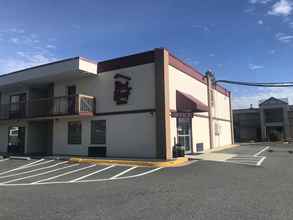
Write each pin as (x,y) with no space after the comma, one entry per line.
(275,84)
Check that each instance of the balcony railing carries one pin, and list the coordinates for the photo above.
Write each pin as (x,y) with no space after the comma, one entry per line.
(46,107)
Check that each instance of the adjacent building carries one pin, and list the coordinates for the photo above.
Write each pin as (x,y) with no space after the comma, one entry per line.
(137,106)
(271,121)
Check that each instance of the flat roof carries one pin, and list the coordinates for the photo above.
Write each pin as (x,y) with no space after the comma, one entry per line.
(128,61)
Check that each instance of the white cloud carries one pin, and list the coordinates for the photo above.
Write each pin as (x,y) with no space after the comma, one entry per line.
(260,22)
(50,46)
(249,10)
(212,55)
(201,27)
(281,8)
(259,1)
(254,95)
(31,51)
(15,40)
(291,24)
(24,60)
(272,52)
(255,67)
(284,38)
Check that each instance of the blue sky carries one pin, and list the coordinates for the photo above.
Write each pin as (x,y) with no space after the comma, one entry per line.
(248,40)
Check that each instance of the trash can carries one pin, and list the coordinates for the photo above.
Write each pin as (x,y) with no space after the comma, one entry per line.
(178,150)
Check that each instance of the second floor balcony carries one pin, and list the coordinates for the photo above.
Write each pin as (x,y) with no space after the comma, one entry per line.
(49,107)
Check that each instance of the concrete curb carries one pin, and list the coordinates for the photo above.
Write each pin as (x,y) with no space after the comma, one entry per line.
(142,163)
(223,148)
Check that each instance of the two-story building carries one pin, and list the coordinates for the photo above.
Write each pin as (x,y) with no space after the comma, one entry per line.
(271,121)
(136,106)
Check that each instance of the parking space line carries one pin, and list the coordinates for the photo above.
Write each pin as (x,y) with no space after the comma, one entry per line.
(63,174)
(4,160)
(29,164)
(38,164)
(39,174)
(260,161)
(123,172)
(142,174)
(30,171)
(20,167)
(264,149)
(90,174)
(244,163)
(83,181)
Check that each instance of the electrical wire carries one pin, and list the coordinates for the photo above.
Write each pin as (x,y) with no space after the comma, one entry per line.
(276,84)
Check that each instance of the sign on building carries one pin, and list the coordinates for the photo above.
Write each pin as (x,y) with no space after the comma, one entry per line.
(122,89)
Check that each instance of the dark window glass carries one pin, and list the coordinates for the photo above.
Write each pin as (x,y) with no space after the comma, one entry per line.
(98,132)
(74,132)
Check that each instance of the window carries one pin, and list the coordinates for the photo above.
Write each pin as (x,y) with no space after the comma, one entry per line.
(74,132)
(98,132)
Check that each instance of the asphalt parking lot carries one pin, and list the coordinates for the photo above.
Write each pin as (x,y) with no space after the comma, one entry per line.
(45,172)
(202,190)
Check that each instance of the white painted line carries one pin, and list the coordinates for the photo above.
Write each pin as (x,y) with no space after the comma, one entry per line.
(39,174)
(63,174)
(264,149)
(243,160)
(4,160)
(261,161)
(90,174)
(29,164)
(250,164)
(123,172)
(37,164)
(142,174)
(250,156)
(21,167)
(30,171)
(19,158)
(83,181)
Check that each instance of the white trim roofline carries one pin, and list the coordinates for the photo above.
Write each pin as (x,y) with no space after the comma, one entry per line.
(68,68)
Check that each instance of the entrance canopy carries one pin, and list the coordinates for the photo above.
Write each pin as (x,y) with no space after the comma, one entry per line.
(188,103)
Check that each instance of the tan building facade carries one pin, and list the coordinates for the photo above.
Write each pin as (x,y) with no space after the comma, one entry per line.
(271,121)
(138,106)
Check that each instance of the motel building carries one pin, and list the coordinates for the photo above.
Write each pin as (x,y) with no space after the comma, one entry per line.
(137,106)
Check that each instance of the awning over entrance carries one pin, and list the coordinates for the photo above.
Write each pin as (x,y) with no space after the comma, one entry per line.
(188,103)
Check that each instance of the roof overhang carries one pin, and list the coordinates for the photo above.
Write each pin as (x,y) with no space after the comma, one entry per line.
(188,103)
(68,69)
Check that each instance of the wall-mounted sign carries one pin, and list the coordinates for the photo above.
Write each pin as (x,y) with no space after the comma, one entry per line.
(181,114)
(122,89)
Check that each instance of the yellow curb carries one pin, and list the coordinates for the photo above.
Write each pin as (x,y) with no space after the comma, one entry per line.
(170,163)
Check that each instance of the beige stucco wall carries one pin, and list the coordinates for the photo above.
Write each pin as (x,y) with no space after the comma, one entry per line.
(221,110)
(200,132)
(127,135)
(222,106)
(200,125)
(142,95)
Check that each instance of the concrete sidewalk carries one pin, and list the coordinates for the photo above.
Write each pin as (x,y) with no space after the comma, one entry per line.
(211,156)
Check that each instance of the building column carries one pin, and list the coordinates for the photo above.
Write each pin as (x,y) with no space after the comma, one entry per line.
(262,125)
(210,77)
(231,119)
(286,122)
(163,134)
